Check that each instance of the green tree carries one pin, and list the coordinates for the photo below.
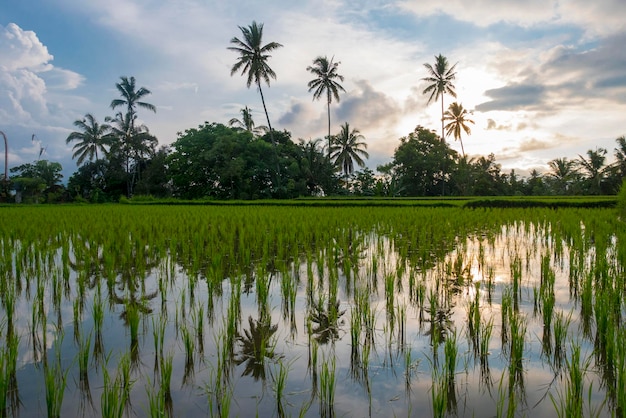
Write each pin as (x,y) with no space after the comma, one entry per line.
(440,77)
(247,123)
(38,180)
(347,148)
(418,163)
(253,57)
(317,169)
(91,138)
(459,118)
(326,75)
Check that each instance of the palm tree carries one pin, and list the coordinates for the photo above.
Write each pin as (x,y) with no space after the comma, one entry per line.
(440,77)
(133,143)
(93,137)
(131,97)
(562,172)
(593,165)
(458,118)
(620,156)
(253,60)
(348,147)
(246,123)
(326,74)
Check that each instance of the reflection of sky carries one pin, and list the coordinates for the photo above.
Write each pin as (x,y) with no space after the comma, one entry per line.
(388,393)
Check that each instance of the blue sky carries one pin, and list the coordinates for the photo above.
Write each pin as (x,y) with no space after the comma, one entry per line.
(545,78)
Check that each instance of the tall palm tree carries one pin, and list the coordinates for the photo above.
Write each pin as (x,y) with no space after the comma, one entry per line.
(347,148)
(131,97)
(326,74)
(93,137)
(440,76)
(253,59)
(247,123)
(458,117)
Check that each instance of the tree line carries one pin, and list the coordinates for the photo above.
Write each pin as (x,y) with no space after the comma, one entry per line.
(241,160)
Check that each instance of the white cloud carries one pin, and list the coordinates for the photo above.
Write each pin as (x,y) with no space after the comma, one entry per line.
(597,17)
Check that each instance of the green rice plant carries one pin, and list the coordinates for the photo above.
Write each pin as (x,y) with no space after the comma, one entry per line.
(158,333)
(55,379)
(327,387)
(439,393)
(115,391)
(516,352)
(505,311)
(560,331)
(570,399)
(189,348)
(279,379)
(451,352)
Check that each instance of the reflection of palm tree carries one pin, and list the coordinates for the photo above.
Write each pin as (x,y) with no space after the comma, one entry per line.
(348,147)
(256,347)
(458,117)
(440,77)
(326,319)
(326,73)
(253,59)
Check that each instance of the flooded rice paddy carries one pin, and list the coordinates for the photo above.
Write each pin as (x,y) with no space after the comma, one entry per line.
(293,311)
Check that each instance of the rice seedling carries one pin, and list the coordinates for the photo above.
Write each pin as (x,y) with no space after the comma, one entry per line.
(115,391)
(55,379)
(560,331)
(439,393)
(327,387)
(279,379)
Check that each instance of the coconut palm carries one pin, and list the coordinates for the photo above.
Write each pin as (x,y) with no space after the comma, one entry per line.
(326,74)
(93,137)
(131,97)
(593,165)
(253,60)
(620,156)
(347,148)
(440,78)
(246,123)
(562,172)
(458,117)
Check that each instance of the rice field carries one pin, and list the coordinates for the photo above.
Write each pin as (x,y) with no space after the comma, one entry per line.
(311,311)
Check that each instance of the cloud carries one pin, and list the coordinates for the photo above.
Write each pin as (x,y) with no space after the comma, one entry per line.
(21,49)
(598,17)
(368,108)
(514,97)
(533,144)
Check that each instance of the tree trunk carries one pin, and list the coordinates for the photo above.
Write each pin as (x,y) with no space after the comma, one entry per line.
(442,137)
(328,103)
(267,116)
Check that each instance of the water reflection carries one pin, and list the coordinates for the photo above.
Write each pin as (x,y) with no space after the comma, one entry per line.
(507,299)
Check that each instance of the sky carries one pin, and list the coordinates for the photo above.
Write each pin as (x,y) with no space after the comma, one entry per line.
(545,79)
